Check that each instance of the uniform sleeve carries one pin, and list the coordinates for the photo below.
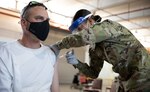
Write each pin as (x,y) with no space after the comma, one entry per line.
(5,77)
(96,64)
(73,40)
(97,33)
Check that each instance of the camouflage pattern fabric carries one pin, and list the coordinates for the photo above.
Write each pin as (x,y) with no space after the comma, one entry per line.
(116,45)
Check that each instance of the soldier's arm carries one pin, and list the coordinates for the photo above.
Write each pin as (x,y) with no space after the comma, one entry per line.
(97,33)
(72,40)
(96,64)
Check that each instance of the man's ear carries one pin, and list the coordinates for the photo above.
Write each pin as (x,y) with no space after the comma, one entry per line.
(24,24)
(23,21)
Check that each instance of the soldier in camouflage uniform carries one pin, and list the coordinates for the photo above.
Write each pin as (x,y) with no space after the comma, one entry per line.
(115,44)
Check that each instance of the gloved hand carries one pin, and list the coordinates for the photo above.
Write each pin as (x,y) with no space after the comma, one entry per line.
(71,58)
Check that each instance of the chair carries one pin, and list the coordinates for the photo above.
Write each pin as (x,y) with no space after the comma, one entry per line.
(95,87)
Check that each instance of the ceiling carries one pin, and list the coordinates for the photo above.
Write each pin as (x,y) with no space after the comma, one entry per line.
(133,14)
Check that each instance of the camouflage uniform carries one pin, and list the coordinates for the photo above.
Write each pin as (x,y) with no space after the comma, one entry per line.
(113,43)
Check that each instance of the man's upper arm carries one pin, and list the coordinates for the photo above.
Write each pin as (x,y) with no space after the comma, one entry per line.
(55,49)
(5,78)
(55,83)
(5,73)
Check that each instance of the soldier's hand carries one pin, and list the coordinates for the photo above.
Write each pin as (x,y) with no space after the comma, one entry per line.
(71,58)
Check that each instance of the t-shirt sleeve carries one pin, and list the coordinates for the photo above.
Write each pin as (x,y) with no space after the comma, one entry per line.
(5,76)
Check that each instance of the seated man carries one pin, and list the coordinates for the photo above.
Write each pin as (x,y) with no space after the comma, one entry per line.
(26,65)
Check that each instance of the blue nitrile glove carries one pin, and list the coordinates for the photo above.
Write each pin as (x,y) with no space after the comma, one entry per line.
(71,58)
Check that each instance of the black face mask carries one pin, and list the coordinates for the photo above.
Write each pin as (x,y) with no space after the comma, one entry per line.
(40,29)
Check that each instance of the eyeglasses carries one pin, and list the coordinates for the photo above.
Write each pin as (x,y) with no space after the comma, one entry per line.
(32,4)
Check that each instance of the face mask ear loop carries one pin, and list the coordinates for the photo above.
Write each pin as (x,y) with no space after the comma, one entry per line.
(27,28)
(27,20)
